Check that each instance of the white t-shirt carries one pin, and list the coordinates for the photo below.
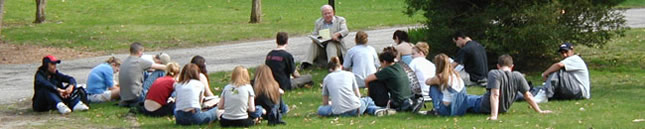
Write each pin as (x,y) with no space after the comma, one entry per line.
(455,83)
(424,69)
(188,94)
(339,86)
(236,101)
(578,68)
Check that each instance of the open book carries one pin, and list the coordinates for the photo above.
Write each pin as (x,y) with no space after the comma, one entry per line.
(210,102)
(322,38)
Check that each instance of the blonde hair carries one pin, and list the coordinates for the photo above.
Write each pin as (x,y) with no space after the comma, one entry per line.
(240,76)
(113,61)
(361,37)
(265,84)
(422,47)
(172,69)
(444,70)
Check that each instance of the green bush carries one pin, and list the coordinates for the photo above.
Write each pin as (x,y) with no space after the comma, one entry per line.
(529,30)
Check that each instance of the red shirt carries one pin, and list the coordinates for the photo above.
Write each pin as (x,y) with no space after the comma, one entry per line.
(161,90)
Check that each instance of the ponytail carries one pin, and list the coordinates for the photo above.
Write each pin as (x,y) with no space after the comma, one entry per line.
(113,60)
(172,69)
(333,63)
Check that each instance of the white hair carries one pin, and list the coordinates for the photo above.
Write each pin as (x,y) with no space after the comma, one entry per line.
(326,7)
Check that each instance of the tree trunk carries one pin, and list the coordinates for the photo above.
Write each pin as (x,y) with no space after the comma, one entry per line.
(40,11)
(1,15)
(256,11)
(332,3)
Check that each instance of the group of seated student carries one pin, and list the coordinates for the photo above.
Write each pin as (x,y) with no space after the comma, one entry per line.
(445,85)
(401,80)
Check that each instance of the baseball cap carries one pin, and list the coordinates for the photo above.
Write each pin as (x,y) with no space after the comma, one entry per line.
(163,57)
(565,47)
(50,59)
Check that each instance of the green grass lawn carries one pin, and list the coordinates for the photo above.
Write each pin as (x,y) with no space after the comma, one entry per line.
(618,84)
(632,4)
(111,25)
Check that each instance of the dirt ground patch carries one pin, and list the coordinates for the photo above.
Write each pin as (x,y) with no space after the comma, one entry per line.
(20,115)
(22,54)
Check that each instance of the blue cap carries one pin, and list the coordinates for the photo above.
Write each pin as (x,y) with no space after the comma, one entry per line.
(566,46)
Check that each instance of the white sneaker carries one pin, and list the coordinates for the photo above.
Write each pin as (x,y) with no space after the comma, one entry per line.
(540,97)
(80,106)
(383,112)
(62,108)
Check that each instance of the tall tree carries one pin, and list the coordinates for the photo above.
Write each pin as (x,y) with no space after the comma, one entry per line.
(1,14)
(40,11)
(529,30)
(256,11)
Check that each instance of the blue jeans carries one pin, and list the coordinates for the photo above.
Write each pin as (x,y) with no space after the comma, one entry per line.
(195,118)
(258,112)
(367,106)
(46,100)
(437,103)
(474,103)
(147,83)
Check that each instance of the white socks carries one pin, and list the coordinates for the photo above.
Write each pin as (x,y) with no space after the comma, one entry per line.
(62,108)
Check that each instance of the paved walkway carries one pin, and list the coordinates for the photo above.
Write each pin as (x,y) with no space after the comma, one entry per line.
(16,80)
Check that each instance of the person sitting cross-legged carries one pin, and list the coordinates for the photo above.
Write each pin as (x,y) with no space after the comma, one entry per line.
(238,101)
(268,95)
(361,59)
(190,94)
(390,86)
(503,86)
(157,100)
(341,87)
(101,86)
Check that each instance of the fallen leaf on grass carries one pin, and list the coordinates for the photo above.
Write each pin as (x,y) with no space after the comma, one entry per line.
(371,123)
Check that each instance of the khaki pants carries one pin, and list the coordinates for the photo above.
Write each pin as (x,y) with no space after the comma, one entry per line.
(332,49)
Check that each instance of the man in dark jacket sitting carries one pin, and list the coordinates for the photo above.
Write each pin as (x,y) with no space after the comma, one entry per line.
(50,92)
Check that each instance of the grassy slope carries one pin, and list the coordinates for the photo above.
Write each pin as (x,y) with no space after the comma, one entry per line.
(632,4)
(617,99)
(100,25)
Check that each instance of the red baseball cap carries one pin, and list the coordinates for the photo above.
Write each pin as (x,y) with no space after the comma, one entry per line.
(50,59)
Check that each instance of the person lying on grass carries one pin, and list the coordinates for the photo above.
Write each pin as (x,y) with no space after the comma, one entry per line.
(501,90)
